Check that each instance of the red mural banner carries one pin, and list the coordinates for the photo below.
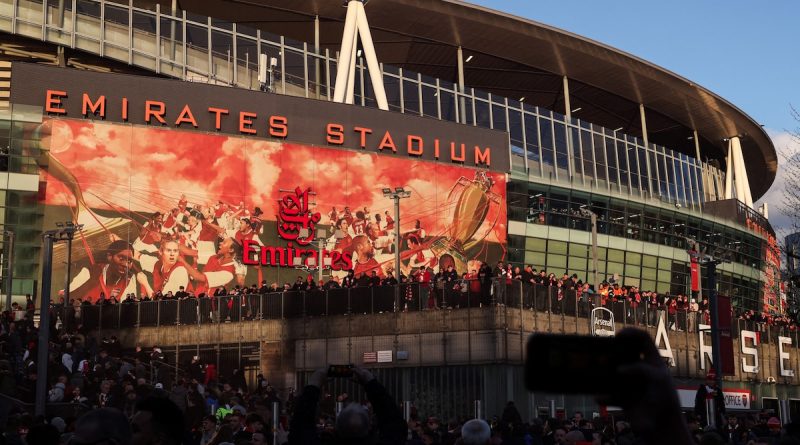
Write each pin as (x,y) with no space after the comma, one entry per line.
(163,209)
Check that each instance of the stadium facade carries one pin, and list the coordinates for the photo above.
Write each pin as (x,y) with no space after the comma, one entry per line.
(129,116)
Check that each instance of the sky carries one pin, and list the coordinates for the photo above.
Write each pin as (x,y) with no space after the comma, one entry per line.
(747,52)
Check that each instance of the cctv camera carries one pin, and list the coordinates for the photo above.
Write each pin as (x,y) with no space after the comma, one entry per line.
(677,205)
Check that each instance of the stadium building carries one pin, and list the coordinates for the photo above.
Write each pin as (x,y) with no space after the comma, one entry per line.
(175,125)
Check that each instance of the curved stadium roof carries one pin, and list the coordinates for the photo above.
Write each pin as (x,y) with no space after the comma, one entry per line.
(516,57)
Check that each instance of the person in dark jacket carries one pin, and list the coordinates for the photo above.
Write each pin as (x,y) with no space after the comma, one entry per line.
(353,425)
(705,391)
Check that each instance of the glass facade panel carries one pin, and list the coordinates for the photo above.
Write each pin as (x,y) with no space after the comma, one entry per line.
(532,142)
(546,140)
(562,153)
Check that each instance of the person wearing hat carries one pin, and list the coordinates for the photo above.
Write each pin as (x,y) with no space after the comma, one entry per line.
(706,391)
(693,309)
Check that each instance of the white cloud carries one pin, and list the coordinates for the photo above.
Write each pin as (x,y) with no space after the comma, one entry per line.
(786,145)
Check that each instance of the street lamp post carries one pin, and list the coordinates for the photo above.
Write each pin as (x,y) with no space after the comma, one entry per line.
(10,271)
(593,218)
(50,237)
(711,269)
(74,227)
(321,263)
(396,194)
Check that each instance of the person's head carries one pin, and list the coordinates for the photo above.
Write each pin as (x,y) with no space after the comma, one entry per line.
(353,423)
(234,421)
(255,422)
(446,261)
(209,423)
(363,247)
(43,434)
(475,432)
(578,416)
(104,425)
(157,420)
(120,256)
(373,230)
(259,438)
(712,438)
(573,437)
(169,252)
(558,435)
(342,225)
(229,248)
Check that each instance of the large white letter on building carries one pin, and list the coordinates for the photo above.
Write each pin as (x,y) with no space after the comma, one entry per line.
(784,356)
(661,335)
(747,350)
(705,351)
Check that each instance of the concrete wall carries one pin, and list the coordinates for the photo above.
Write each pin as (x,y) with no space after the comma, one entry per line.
(437,338)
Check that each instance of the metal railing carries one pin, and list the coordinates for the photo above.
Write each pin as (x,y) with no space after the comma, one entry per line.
(544,144)
(552,301)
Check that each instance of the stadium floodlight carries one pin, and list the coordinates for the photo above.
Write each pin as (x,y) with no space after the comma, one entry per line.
(399,193)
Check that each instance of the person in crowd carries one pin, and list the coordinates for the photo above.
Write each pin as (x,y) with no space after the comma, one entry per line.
(354,422)
(709,390)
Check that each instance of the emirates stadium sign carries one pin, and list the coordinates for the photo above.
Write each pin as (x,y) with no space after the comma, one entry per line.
(174,104)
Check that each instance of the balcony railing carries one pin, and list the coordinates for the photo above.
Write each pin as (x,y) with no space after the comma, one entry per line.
(556,304)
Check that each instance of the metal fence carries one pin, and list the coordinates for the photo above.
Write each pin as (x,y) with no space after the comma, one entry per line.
(558,304)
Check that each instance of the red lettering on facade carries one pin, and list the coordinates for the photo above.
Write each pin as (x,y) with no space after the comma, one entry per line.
(250,247)
(218,112)
(246,122)
(278,126)
(186,116)
(95,107)
(387,142)
(414,145)
(334,134)
(294,217)
(483,157)
(158,113)
(52,103)
(125,108)
(457,157)
(364,132)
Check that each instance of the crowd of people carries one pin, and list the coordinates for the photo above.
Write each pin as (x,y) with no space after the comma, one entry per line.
(100,393)
(422,289)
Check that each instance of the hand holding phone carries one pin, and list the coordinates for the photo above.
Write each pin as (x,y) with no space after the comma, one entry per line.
(625,371)
(340,371)
(577,364)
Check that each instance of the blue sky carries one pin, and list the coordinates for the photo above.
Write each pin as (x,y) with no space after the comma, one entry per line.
(748,52)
